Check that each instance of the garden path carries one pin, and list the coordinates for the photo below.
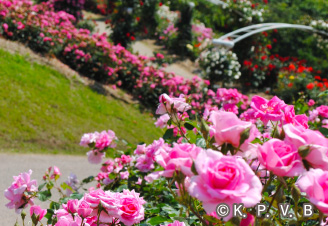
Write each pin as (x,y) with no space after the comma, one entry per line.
(146,47)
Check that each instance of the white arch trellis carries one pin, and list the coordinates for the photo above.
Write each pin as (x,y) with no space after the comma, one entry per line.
(229,40)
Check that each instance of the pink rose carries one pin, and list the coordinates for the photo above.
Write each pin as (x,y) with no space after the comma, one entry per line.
(323,111)
(224,179)
(88,138)
(181,158)
(15,193)
(162,121)
(280,158)
(126,159)
(72,205)
(249,221)
(318,145)
(95,156)
(105,139)
(176,223)
(84,209)
(228,128)
(166,102)
(311,103)
(267,110)
(131,207)
(315,184)
(38,212)
(124,175)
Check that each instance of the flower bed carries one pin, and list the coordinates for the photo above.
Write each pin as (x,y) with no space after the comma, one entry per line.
(268,155)
(52,32)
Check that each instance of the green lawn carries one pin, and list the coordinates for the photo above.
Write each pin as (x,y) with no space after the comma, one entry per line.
(42,111)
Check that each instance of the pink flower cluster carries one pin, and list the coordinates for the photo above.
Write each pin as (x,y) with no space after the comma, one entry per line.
(17,192)
(126,207)
(274,110)
(99,142)
(116,166)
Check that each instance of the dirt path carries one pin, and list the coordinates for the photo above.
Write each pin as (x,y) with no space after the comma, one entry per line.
(146,47)
(13,164)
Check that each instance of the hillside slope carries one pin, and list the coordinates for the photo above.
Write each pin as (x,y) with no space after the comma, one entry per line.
(43,111)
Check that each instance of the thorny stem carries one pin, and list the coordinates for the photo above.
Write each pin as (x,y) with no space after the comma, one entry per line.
(195,212)
(274,197)
(268,183)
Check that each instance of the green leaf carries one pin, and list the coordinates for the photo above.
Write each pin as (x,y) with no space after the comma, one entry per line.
(157,220)
(88,179)
(324,93)
(122,187)
(76,196)
(41,186)
(200,142)
(65,186)
(50,185)
(189,126)
(54,205)
(324,131)
(168,134)
(44,195)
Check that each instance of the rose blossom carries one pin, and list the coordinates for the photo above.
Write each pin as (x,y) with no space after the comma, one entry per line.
(224,179)
(315,184)
(38,211)
(175,223)
(131,207)
(15,193)
(84,209)
(180,158)
(166,102)
(88,138)
(267,110)
(105,139)
(280,158)
(95,156)
(228,128)
(72,205)
(323,111)
(318,145)
(162,121)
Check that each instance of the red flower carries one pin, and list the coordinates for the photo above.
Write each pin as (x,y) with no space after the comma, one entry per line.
(197,45)
(128,34)
(317,77)
(141,3)
(133,38)
(138,18)
(269,46)
(160,4)
(265,34)
(320,85)
(263,57)
(290,84)
(310,86)
(271,67)
(265,1)
(291,67)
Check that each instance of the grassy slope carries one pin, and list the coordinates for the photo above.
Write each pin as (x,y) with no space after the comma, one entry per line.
(43,111)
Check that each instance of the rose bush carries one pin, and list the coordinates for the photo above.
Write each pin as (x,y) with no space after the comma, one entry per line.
(181,178)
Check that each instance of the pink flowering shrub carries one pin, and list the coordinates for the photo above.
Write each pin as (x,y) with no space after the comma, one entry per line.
(21,192)
(270,154)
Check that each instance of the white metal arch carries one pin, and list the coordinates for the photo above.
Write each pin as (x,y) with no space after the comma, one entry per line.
(229,40)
